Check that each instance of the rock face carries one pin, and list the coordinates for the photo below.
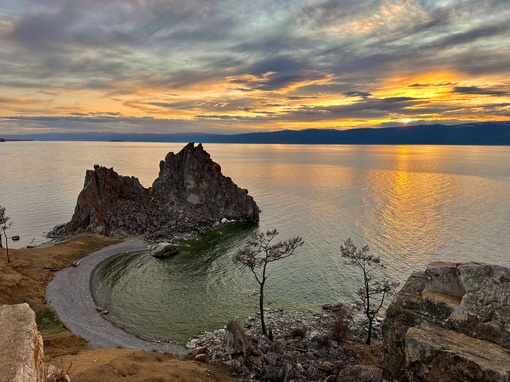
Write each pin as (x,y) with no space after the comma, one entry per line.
(192,180)
(21,345)
(105,198)
(189,192)
(450,323)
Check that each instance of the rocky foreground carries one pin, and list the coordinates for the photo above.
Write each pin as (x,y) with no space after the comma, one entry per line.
(448,323)
(189,196)
(317,347)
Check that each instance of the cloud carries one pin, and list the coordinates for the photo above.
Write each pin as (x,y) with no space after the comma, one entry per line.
(475,90)
(354,93)
(252,63)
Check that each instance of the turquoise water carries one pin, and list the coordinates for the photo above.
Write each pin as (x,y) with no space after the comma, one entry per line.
(411,204)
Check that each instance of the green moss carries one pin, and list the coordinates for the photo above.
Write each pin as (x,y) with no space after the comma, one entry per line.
(48,322)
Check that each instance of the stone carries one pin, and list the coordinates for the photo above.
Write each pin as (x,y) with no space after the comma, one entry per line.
(21,345)
(204,358)
(468,305)
(56,374)
(441,355)
(360,373)
(236,340)
(189,194)
(162,250)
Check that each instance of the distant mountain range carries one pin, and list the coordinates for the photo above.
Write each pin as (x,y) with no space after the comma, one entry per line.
(481,133)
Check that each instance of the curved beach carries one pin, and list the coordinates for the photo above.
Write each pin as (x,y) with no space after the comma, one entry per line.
(70,295)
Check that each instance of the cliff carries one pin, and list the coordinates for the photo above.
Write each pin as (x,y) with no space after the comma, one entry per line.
(190,193)
(450,323)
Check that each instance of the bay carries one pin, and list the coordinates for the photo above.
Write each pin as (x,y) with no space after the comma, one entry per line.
(410,204)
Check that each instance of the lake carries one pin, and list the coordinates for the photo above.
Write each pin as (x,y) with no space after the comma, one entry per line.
(410,204)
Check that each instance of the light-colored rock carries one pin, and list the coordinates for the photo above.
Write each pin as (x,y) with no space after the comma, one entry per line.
(164,250)
(467,302)
(441,355)
(56,374)
(21,345)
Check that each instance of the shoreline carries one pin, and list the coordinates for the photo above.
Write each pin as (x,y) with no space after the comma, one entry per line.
(70,295)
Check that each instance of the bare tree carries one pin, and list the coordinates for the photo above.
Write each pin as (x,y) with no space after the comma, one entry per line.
(5,223)
(261,251)
(374,291)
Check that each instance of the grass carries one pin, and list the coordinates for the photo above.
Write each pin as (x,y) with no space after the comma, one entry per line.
(48,322)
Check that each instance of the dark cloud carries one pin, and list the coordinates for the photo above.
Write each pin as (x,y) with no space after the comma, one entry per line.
(478,91)
(427,85)
(354,93)
(278,64)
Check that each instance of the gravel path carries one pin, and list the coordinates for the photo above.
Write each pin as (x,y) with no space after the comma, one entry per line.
(69,294)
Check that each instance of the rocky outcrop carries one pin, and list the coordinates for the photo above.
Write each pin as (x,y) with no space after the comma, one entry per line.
(190,193)
(106,199)
(21,345)
(450,323)
(191,180)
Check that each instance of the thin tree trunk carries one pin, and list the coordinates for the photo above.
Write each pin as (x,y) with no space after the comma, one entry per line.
(7,248)
(261,307)
(369,338)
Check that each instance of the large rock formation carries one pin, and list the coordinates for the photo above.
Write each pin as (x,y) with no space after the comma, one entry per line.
(450,323)
(106,198)
(21,345)
(189,192)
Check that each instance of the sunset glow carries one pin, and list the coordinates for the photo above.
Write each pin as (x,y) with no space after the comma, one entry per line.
(232,67)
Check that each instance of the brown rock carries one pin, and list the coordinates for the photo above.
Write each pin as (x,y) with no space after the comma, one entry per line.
(236,340)
(105,191)
(360,373)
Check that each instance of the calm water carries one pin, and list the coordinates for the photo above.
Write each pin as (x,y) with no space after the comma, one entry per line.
(411,204)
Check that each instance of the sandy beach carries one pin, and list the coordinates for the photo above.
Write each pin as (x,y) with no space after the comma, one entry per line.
(70,295)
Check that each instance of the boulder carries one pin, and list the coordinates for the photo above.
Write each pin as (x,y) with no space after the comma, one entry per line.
(189,192)
(450,323)
(162,250)
(360,373)
(437,354)
(21,345)
(236,340)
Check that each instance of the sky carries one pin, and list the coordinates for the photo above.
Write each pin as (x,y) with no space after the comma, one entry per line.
(233,66)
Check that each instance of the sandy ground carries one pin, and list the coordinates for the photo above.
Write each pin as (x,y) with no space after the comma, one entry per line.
(70,296)
(25,280)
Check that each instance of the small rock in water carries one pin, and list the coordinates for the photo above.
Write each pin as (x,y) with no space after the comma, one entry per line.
(164,250)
